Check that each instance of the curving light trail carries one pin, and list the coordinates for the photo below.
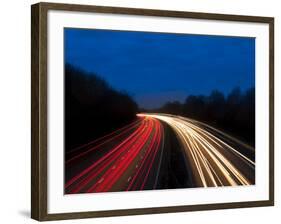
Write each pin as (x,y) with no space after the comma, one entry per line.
(210,158)
(122,160)
(139,156)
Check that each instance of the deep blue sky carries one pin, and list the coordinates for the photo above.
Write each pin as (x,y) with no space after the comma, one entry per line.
(155,67)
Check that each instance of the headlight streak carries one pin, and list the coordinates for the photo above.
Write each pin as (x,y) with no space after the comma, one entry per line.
(218,131)
(203,150)
(130,157)
(214,139)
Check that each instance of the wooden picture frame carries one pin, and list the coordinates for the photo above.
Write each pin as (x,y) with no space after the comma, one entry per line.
(39,110)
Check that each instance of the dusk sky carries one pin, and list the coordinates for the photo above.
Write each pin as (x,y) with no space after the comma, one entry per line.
(155,68)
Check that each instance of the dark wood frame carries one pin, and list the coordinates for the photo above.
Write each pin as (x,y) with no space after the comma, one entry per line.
(39,110)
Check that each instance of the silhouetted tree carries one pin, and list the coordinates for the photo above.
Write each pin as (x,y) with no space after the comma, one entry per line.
(234,113)
(174,107)
(216,106)
(92,107)
(195,106)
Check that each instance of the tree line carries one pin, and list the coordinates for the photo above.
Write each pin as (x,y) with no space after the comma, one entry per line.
(234,113)
(92,107)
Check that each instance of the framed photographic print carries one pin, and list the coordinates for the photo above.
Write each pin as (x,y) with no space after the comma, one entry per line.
(139,111)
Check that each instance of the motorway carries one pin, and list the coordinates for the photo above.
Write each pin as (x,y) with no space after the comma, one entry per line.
(159,151)
(123,160)
(213,161)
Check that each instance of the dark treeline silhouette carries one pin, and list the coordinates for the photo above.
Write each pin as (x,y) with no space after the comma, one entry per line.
(234,113)
(92,107)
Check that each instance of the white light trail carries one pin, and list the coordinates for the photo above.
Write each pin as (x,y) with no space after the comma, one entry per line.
(206,153)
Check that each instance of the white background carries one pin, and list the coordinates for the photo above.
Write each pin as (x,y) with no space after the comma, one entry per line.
(15,112)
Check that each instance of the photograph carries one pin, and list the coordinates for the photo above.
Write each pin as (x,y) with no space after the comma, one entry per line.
(156,111)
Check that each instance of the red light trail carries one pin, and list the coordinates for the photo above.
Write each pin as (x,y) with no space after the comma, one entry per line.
(131,157)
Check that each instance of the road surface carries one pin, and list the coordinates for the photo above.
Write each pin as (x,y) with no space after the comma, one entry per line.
(214,162)
(159,151)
